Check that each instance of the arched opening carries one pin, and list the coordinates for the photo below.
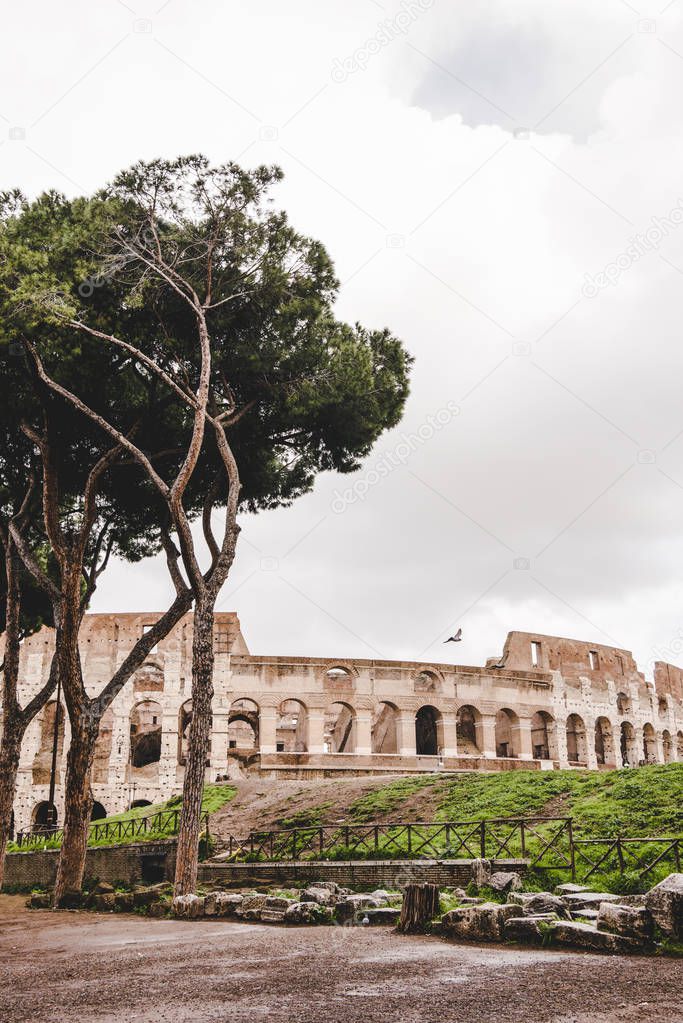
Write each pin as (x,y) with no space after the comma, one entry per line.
(679,745)
(468,731)
(98,813)
(42,762)
(428,732)
(662,707)
(604,743)
(145,734)
(507,733)
(44,818)
(340,676)
(139,802)
(385,728)
(628,745)
(577,749)
(340,729)
(667,746)
(291,735)
(649,744)
(623,703)
(543,738)
(243,725)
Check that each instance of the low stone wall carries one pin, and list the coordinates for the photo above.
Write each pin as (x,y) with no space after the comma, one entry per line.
(147,861)
(351,874)
(318,766)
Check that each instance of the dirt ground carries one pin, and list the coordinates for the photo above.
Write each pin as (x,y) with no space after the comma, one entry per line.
(74,966)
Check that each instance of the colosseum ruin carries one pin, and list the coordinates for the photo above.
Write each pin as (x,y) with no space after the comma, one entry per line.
(546,703)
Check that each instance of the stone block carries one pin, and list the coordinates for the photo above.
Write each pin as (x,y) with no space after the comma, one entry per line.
(629,921)
(587,900)
(533,903)
(124,902)
(579,935)
(188,907)
(570,888)
(665,902)
(144,897)
(505,881)
(527,929)
(482,923)
(39,900)
(105,903)
(323,896)
(481,872)
(227,903)
(307,913)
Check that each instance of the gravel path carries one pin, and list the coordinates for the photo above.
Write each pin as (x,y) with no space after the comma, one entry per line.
(69,966)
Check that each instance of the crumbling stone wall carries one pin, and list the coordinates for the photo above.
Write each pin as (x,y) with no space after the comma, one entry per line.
(547,702)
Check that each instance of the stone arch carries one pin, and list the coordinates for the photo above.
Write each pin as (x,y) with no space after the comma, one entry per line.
(145,734)
(139,802)
(42,761)
(468,730)
(649,744)
(662,707)
(149,678)
(44,817)
(577,746)
(385,737)
(604,743)
(243,724)
(679,744)
(339,678)
(428,731)
(628,745)
(667,746)
(543,736)
(98,812)
(340,728)
(507,733)
(291,734)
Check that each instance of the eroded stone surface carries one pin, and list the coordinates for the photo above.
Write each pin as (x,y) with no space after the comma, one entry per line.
(665,902)
(629,921)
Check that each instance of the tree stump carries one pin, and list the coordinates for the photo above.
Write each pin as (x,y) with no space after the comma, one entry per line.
(420,905)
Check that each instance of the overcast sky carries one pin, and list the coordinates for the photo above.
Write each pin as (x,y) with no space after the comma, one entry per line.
(500,184)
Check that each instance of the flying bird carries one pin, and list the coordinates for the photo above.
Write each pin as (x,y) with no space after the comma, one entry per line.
(456,638)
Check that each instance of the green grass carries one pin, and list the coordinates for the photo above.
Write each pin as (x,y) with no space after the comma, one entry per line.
(388,799)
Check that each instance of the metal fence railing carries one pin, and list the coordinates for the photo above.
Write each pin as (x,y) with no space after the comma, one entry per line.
(165,823)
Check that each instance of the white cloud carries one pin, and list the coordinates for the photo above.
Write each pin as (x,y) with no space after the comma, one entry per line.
(470,242)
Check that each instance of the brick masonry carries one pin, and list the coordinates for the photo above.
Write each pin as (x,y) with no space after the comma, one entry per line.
(147,862)
(352,874)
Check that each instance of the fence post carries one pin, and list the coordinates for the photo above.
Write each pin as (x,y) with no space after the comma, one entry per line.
(522,836)
(677,855)
(482,839)
(620,854)
(294,833)
(572,851)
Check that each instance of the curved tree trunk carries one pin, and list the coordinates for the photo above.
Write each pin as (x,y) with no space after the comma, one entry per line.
(77,810)
(187,856)
(9,767)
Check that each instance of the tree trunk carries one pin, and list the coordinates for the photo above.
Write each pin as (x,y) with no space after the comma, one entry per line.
(420,905)
(84,728)
(77,810)
(187,857)
(9,766)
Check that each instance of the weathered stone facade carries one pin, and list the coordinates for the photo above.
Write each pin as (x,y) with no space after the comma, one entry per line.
(546,703)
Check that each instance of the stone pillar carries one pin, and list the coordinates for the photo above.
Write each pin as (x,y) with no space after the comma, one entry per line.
(522,733)
(219,740)
(363,734)
(488,735)
(591,755)
(450,739)
(267,729)
(660,747)
(316,730)
(405,725)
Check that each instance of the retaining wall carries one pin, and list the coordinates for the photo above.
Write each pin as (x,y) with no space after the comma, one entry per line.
(148,861)
(351,874)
